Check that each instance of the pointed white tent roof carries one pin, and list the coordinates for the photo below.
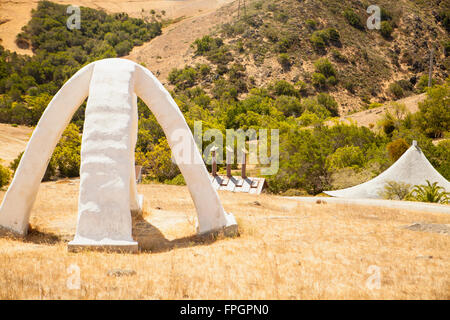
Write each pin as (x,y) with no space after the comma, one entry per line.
(412,168)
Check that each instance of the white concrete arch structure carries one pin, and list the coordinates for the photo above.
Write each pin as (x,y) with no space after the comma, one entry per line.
(107,184)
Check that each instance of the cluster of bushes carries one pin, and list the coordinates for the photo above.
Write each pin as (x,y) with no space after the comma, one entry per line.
(47,30)
(322,38)
(214,50)
(27,83)
(309,157)
(188,76)
(353,19)
(312,152)
(429,192)
(386,26)
(325,74)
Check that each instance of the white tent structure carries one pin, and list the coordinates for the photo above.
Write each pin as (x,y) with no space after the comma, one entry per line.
(412,168)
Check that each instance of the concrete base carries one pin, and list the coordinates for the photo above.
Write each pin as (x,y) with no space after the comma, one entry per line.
(7,232)
(229,230)
(107,245)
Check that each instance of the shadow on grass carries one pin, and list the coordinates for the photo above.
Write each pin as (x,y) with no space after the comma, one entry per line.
(34,236)
(151,239)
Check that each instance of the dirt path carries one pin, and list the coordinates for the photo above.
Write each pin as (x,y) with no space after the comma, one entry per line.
(372,116)
(172,49)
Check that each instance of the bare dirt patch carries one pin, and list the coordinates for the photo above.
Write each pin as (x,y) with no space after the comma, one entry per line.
(372,116)
(13,140)
(173,48)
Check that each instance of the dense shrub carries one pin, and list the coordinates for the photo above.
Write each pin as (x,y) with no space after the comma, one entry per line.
(207,44)
(422,84)
(386,29)
(5,176)
(353,19)
(67,153)
(183,78)
(319,80)
(394,190)
(177,181)
(283,88)
(159,163)
(325,67)
(329,103)
(304,154)
(284,60)
(290,106)
(321,38)
(396,148)
(318,41)
(396,90)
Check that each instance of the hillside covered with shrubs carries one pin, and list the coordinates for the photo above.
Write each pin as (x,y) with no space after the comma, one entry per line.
(286,39)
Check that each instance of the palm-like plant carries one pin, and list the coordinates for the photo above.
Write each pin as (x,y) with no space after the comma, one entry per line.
(429,193)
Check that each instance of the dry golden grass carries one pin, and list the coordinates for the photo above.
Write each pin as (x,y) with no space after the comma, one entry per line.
(286,250)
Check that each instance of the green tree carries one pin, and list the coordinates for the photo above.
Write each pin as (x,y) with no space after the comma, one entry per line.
(67,152)
(442,158)
(434,111)
(159,163)
(348,156)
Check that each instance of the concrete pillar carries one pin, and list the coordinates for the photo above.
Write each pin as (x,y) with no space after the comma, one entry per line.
(214,161)
(244,164)
(229,153)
